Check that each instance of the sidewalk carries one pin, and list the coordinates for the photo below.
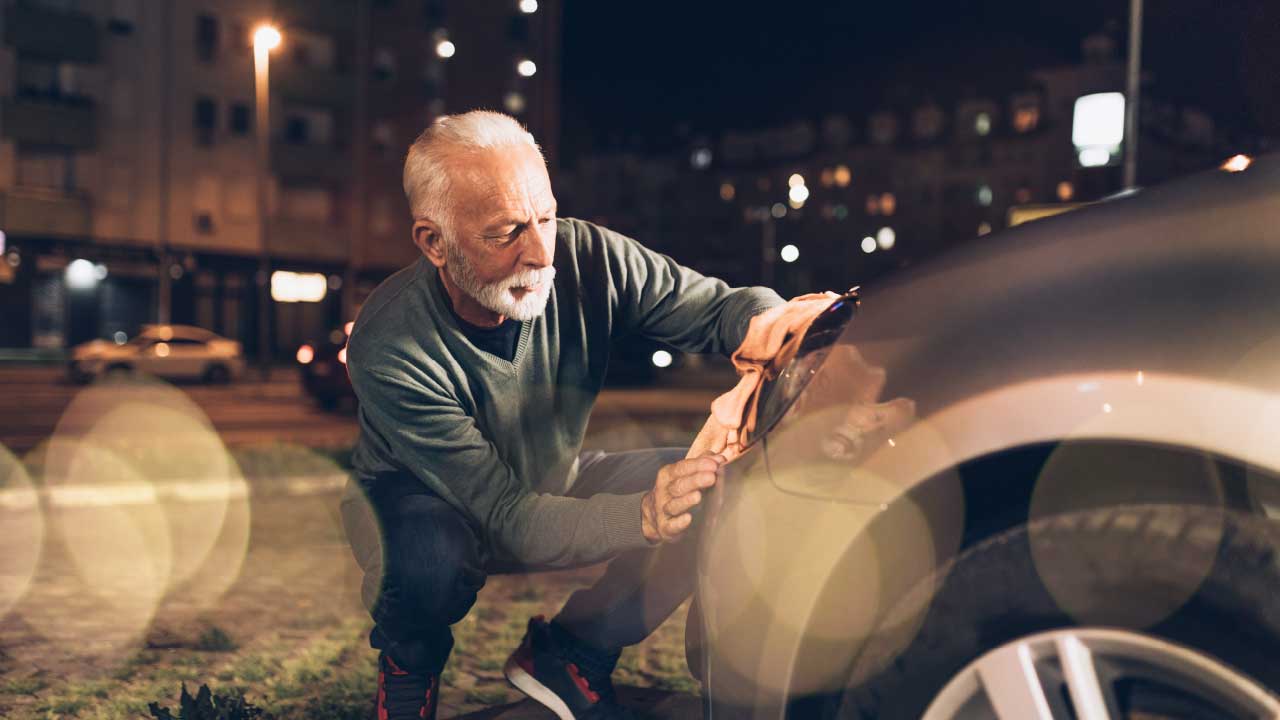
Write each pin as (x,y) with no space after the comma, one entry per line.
(657,704)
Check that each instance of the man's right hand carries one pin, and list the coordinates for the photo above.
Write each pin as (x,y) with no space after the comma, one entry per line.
(665,509)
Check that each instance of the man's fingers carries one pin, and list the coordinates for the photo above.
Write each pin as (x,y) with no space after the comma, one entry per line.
(682,504)
(692,466)
(671,527)
(689,483)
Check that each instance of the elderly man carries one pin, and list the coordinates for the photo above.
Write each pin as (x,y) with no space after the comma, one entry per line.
(476,368)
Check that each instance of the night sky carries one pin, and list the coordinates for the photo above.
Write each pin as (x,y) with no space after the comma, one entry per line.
(652,68)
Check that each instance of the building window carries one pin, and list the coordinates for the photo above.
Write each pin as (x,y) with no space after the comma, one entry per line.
(312,205)
(926,123)
(206,120)
(241,120)
(124,15)
(884,128)
(308,126)
(206,38)
(384,64)
(1025,119)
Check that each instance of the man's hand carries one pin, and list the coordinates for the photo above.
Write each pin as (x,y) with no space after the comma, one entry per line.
(665,509)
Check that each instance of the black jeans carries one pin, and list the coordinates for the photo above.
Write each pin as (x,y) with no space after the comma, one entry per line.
(424,563)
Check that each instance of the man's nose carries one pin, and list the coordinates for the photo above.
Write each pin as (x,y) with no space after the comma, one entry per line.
(537,250)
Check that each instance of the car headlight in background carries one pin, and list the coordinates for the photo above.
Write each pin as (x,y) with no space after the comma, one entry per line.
(306,354)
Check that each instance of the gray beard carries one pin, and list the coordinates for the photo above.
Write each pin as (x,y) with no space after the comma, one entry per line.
(496,296)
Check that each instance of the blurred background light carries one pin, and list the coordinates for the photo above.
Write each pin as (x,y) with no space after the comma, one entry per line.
(120,337)
(446,49)
(81,275)
(842,175)
(798,194)
(985,195)
(528,7)
(306,354)
(795,180)
(526,68)
(1065,191)
(266,37)
(661,358)
(778,210)
(886,237)
(789,253)
(984,228)
(868,244)
(700,158)
(289,286)
(1237,163)
(514,102)
(727,191)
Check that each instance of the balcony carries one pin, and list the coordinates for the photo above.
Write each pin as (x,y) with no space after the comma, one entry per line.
(310,85)
(38,121)
(44,213)
(51,35)
(310,241)
(322,163)
(338,16)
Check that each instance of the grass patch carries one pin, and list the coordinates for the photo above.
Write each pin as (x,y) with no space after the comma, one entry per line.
(215,639)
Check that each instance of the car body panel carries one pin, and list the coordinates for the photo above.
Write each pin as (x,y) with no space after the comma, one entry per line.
(172,351)
(1150,319)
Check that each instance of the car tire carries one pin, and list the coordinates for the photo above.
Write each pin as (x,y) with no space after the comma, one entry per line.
(998,591)
(217,374)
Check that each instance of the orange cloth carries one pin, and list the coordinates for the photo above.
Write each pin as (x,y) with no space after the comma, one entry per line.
(772,339)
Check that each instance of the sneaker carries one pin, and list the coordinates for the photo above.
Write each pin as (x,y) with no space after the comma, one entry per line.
(543,669)
(403,695)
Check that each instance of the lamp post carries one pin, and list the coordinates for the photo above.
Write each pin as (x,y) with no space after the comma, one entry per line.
(265,39)
(1133,89)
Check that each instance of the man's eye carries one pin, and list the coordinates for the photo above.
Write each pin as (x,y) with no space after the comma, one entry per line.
(545,220)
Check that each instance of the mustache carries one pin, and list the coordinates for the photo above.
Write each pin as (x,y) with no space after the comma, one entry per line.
(531,277)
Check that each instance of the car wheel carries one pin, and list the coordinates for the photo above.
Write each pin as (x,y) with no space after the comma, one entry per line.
(217,374)
(1138,611)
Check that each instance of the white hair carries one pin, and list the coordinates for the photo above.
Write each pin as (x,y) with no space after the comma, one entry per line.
(426,174)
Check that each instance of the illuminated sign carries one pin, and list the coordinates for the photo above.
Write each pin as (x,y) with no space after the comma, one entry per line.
(298,287)
(1097,128)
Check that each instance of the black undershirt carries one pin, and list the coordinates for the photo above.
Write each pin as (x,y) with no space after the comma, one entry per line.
(500,341)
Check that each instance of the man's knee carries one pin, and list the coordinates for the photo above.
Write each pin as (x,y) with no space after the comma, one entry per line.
(435,564)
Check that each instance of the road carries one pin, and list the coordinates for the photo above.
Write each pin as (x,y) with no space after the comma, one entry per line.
(33,400)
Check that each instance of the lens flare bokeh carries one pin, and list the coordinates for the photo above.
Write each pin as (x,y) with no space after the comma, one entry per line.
(21,530)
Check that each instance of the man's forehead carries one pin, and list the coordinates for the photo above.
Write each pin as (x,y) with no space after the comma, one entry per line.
(502,179)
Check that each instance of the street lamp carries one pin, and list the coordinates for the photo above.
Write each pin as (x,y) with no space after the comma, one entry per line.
(265,39)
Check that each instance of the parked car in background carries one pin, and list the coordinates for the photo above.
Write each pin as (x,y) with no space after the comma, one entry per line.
(1037,478)
(180,352)
(322,365)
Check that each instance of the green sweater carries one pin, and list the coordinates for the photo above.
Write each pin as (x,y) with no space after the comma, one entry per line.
(499,439)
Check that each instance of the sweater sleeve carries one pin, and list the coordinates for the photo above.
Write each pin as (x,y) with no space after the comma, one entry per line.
(431,435)
(657,297)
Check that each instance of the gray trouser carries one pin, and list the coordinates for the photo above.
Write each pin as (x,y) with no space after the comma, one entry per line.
(424,563)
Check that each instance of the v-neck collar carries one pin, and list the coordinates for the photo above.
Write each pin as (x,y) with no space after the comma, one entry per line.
(449,319)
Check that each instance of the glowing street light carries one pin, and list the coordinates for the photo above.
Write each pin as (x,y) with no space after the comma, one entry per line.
(868,244)
(886,237)
(789,253)
(446,49)
(266,37)
(526,68)
(797,195)
(528,7)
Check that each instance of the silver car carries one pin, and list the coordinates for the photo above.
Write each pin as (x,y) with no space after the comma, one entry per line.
(1038,478)
(169,351)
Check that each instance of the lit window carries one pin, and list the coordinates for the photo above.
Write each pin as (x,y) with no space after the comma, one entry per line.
(1066,191)
(888,203)
(1097,128)
(1025,119)
(982,124)
(984,228)
(1022,195)
(985,195)
(727,191)
(926,122)
(884,128)
(513,102)
(298,287)
(842,176)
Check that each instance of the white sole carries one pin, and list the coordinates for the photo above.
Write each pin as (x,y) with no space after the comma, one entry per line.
(529,685)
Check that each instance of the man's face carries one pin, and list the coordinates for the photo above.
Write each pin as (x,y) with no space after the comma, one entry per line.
(502,239)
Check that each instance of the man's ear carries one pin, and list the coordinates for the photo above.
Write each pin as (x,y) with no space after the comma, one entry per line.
(429,240)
